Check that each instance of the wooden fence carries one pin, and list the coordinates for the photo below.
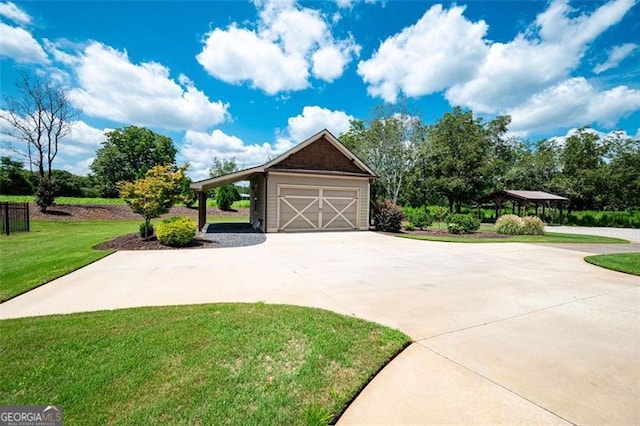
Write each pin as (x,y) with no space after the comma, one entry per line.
(14,217)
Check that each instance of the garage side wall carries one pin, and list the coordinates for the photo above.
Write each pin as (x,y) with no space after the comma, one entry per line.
(276,179)
(258,200)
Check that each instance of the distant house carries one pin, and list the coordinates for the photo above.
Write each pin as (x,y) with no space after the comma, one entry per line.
(318,185)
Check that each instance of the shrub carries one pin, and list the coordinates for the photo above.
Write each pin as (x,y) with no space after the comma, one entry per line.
(409,227)
(509,224)
(176,231)
(146,230)
(226,195)
(532,225)
(388,216)
(418,217)
(462,224)
(45,193)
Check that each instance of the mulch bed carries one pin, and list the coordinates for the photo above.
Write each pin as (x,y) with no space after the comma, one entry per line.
(136,242)
(444,233)
(116,212)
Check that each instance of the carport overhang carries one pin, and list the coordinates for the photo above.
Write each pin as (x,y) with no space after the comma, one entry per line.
(202,186)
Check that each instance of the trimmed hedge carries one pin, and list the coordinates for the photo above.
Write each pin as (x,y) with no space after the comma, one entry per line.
(607,219)
(418,217)
(176,231)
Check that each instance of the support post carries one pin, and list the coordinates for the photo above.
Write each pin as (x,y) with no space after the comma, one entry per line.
(202,209)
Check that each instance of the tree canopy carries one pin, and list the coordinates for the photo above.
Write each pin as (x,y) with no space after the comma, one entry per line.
(127,154)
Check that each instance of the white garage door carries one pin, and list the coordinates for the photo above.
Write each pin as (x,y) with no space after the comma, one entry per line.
(312,208)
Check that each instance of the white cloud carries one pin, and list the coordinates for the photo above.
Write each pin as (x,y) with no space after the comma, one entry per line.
(441,49)
(281,54)
(82,139)
(573,102)
(199,149)
(314,119)
(112,87)
(537,60)
(80,167)
(19,45)
(617,55)
(11,11)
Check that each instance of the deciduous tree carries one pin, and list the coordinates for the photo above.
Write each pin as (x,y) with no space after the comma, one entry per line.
(35,122)
(127,154)
(155,193)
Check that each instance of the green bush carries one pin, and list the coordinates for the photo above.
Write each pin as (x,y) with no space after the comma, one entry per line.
(146,230)
(176,231)
(462,224)
(418,217)
(532,225)
(226,195)
(388,216)
(409,227)
(45,193)
(619,219)
(509,224)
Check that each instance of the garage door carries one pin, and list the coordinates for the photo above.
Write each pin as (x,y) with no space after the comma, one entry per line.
(311,208)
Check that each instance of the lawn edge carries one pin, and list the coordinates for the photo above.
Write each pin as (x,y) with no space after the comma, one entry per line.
(471,240)
(369,379)
(60,276)
(589,260)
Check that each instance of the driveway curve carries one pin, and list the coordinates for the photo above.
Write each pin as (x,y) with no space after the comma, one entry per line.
(504,333)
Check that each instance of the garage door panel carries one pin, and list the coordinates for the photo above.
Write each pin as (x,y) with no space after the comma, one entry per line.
(317,208)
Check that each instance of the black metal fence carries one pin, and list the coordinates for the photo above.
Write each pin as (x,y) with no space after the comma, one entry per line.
(14,217)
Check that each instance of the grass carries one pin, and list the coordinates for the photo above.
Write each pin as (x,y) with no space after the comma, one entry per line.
(54,248)
(203,364)
(550,237)
(621,262)
(117,201)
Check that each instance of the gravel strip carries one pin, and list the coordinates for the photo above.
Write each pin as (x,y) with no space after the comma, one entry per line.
(232,235)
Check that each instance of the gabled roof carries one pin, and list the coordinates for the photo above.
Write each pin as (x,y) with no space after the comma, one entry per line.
(245,174)
(523,195)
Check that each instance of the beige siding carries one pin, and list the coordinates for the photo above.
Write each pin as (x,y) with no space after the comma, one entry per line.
(258,201)
(333,182)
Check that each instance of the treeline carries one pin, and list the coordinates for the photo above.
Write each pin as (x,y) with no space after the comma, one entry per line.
(461,157)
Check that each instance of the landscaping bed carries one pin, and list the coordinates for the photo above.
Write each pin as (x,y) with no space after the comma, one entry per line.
(136,242)
(445,233)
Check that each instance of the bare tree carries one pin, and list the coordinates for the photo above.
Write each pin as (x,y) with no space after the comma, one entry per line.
(36,121)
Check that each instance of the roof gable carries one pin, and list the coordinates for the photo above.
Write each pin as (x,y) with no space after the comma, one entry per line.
(319,155)
(321,151)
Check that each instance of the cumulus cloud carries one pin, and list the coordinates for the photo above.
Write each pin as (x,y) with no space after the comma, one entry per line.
(616,55)
(573,102)
(83,139)
(313,119)
(441,49)
(536,60)
(12,12)
(281,54)
(199,149)
(18,44)
(111,86)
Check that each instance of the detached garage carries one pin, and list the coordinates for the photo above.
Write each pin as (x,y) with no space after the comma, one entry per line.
(318,185)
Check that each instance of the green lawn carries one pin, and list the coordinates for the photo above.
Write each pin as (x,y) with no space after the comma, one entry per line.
(550,237)
(54,248)
(204,364)
(621,262)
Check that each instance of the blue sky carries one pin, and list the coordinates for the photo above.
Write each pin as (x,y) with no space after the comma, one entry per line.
(247,80)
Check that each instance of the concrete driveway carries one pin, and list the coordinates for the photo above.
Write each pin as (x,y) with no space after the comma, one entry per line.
(504,333)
